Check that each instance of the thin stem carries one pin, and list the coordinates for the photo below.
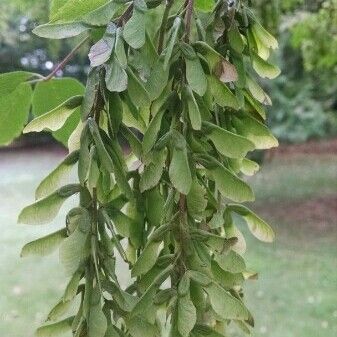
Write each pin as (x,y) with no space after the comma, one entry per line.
(66,59)
(188,19)
(163,26)
(125,16)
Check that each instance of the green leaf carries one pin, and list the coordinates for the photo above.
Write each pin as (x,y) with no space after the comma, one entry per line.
(72,286)
(258,227)
(139,95)
(134,29)
(187,316)
(73,249)
(249,167)
(59,310)
(97,323)
(255,131)
(263,68)
(264,36)
(138,327)
(226,305)
(231,262)
(10,81)
(101,51)
(56,118)
(50,94)
(14,109)
(179,171)
(152,131)
(230,186)
(196,200)
(60,30)
(222,94)
(173,37)
(111,332)
(116,78)
(55,329)
(55,178)
(204,5)
(193,109)
(257,92)
(153,171)
(195,76)
(228,143)
(157,80)
(235,39)
(45,245)
(147,259)
(46,209)
(74,9)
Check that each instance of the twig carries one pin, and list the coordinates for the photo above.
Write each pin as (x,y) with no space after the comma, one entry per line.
(66,59)
(188,19)
(125,16)
(163,26)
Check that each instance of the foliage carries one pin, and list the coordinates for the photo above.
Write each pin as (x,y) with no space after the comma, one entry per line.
(167,208)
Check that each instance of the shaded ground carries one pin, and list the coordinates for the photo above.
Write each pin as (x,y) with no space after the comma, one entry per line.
(296,192)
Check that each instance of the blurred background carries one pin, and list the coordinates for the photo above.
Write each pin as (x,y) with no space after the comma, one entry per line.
(296,189)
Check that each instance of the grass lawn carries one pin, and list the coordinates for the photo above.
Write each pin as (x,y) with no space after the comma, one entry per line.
(295,295)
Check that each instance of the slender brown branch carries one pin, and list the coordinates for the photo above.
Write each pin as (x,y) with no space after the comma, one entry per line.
(188,19)
(125,16)
(163,26)
(66,60)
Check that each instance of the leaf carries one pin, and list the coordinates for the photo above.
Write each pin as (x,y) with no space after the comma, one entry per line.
(255,131)
(111,332)
(60,30)
(187,316)
(56,118)
(59,310)
(195,76)
(116,78)
(258,227)
(90,94)
(46,209)
(264,36)
(74,9)
(14,109)
(153,171)
(249,167)
(138,327)
(55,178)
(257,92)
(228,143)
(226,71)
(134,29)
(147,259)
(196,200)
(101,51)
(45,245)
(139,96)
(157,80)
(173,37)
(55,329)
(73,249)
(50,94)
(97,323)
(193,109)
(231,262)
(179,171)
(263,68)
(72,286)
(151,134)
(235,39)
(225,305)
(221,93)
(230,186)
(204,5)
(9,82)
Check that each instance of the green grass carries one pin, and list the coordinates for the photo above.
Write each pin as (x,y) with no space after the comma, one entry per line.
(295,295)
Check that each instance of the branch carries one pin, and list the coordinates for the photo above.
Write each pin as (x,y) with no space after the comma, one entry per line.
(125,16)
(163,26)
(188,19)
(66,60)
